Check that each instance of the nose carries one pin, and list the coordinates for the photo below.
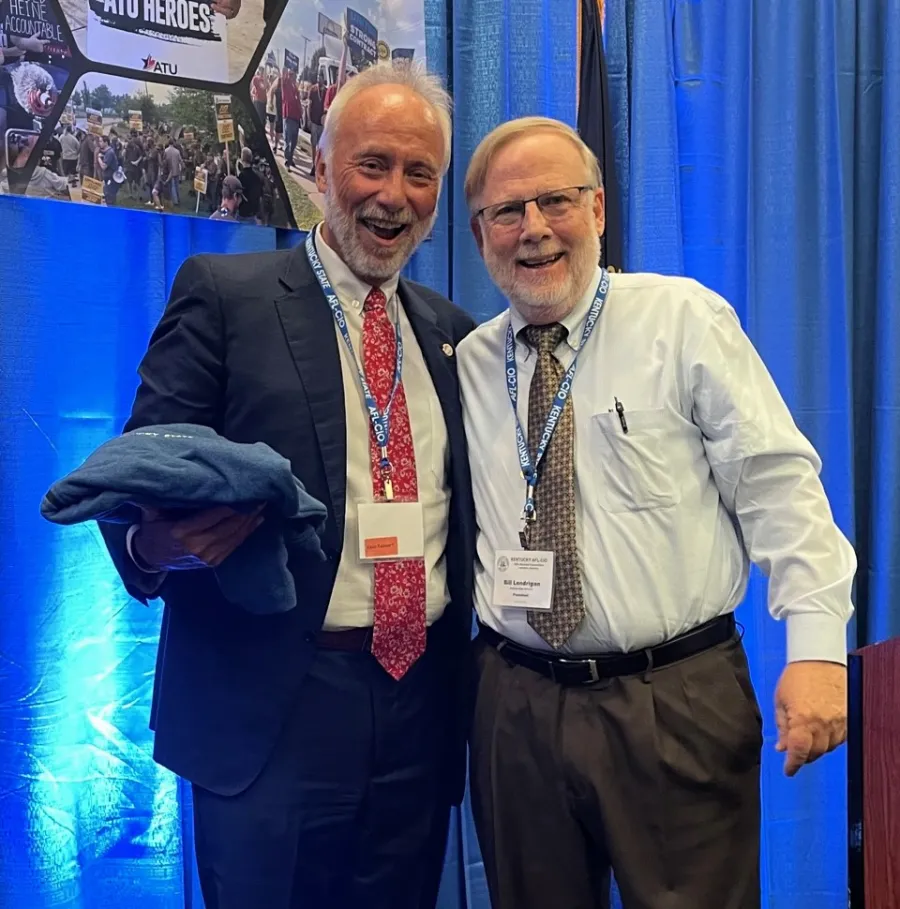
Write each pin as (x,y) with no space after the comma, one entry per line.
(392,194)
(534,225)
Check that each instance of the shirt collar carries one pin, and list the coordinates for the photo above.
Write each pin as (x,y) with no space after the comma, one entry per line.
(574,321)
(349,289)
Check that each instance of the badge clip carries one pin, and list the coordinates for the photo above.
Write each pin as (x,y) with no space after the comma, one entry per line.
(386,476)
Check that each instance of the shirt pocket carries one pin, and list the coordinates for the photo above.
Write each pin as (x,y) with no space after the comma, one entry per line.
(634,470)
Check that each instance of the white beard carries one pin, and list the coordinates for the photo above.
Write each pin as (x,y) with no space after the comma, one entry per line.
(547,300)
(362,262)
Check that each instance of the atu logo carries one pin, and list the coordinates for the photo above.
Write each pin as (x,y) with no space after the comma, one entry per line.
(152,65)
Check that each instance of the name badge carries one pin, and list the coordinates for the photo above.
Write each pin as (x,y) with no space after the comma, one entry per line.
(523,579)
(391,530)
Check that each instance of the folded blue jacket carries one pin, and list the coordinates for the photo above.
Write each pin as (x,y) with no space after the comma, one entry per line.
(184,468)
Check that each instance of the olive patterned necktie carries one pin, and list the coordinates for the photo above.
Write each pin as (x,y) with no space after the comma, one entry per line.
(554,497)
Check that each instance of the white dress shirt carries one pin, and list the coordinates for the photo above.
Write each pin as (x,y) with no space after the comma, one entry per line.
(352,600)
(711,475)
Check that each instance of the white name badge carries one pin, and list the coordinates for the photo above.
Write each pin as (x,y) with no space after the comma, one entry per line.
(391,530)
(523,579)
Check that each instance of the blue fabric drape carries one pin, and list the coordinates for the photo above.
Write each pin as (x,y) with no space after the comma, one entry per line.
(757,154)
(512,58)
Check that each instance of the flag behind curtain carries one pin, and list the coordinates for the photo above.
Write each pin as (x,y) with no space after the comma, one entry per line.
(595,123)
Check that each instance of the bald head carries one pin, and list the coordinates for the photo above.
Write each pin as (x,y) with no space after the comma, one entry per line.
(387,109)
(397,85)
(381,177)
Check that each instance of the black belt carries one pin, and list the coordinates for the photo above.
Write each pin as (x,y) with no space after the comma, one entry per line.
(352,640)
(582,670)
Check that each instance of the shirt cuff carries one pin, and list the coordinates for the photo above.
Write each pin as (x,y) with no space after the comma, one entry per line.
(129,548)
(816,636)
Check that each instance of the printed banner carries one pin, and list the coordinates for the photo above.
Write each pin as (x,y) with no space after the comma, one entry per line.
(330,27)
(25,24)
(362,38)
(76,127)
(183,38)
(201,180)
(224,121)
(94,121)
(91,190)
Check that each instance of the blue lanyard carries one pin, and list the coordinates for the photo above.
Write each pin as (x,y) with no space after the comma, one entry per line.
(380,420)
(529,467)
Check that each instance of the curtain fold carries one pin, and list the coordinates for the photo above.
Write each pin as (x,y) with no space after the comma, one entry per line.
(510,59)
(875,275)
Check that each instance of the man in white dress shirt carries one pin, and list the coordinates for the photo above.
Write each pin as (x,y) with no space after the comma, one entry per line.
(631,456)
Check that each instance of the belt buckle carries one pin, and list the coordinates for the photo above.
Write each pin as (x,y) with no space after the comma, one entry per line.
(592,666)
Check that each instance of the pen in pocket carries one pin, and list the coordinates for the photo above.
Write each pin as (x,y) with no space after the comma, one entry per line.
(620,410)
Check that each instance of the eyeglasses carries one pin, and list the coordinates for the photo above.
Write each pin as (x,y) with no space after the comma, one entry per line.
(554,206)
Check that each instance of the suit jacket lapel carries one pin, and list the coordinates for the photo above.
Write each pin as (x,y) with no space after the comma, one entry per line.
(309,329)
(440,358)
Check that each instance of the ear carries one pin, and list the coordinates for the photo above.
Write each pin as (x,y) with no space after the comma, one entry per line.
(321,175)
(600,210)
(475,225)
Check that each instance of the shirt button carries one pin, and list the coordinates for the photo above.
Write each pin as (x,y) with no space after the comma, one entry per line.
(356,304)
(309,637)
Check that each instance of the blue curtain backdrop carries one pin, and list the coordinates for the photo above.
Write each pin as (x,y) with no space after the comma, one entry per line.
(756,153)
(759,152)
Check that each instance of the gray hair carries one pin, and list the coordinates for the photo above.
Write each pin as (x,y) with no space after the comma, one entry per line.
(413,76)
(506,133)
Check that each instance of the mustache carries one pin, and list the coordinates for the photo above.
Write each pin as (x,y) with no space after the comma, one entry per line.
(372,211)
(536,252)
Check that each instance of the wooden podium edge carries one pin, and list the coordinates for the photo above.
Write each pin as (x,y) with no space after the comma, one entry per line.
(856,876)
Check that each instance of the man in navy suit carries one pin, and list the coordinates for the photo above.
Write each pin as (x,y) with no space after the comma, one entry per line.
(325,745)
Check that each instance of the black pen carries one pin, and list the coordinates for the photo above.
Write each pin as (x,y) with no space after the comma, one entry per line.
(620,410)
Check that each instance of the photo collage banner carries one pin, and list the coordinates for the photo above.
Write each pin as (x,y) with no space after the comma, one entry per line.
(205,109)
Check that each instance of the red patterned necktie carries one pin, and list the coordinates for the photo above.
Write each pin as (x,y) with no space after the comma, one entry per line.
(398,636)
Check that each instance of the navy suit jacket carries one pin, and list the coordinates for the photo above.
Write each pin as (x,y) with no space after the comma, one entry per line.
(247,345)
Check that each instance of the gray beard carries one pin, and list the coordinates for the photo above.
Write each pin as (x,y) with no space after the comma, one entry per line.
(361,262)
(552,301)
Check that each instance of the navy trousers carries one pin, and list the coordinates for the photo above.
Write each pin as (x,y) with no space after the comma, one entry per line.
(350,811)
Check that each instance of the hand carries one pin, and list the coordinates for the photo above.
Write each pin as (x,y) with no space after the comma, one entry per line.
(811,711)
(228,8)
(203,540)
(35,45)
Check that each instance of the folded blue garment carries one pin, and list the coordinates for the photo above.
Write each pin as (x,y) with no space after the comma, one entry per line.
(184,468)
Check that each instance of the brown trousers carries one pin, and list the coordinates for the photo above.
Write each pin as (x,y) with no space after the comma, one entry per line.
(655,776)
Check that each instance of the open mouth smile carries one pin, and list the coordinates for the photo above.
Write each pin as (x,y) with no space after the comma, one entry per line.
(383,230)
(541,262)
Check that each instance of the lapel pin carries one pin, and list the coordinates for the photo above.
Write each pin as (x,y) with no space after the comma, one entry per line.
(448,350)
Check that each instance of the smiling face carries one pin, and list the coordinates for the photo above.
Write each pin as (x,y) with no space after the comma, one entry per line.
(544,264)
(381,177)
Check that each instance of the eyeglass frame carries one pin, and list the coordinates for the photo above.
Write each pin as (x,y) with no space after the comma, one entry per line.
(524,202)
